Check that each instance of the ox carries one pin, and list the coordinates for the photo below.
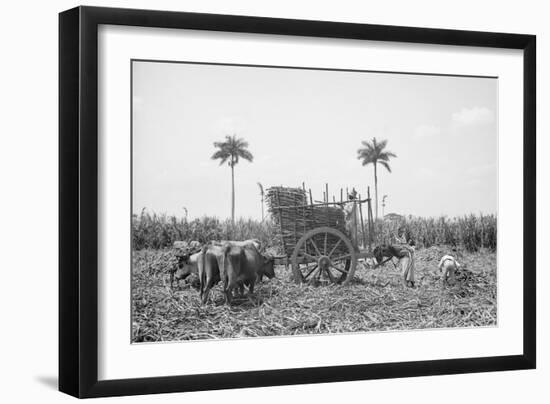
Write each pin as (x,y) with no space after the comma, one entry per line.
(210,260)
(244,265)
(237,263)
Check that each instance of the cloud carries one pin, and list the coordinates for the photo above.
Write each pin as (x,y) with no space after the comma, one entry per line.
(426,131)
(473,116)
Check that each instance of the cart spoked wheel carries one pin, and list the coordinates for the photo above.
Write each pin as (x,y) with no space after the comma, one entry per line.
(324,256)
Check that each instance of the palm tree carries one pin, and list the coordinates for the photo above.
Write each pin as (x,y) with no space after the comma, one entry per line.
(230,150)
(373,153)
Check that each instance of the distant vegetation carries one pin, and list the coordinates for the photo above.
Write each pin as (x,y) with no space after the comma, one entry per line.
(151,230)
(154,231)
(470,232)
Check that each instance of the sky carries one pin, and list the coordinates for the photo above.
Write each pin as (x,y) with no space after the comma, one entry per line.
(306,125)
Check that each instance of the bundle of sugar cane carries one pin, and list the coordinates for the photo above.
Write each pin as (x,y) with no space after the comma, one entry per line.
(285,196)
(329,216)
(288,208)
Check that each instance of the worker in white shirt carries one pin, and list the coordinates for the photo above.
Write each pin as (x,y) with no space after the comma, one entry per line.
(448,266)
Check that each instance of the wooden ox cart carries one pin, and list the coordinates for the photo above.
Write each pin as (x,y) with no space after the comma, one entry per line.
(321,240)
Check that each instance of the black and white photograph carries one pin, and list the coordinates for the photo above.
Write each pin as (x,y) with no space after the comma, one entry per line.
(273,201)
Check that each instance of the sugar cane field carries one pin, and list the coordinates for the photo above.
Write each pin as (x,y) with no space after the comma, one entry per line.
(374,300)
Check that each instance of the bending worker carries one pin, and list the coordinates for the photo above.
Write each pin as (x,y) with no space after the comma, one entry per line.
(406,256)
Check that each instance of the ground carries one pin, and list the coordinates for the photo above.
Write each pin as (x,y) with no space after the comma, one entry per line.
(375,300)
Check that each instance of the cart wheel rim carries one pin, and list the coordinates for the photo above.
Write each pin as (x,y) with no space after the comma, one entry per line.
(324,255)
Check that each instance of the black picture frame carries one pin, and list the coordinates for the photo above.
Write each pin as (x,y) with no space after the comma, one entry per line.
(78,200)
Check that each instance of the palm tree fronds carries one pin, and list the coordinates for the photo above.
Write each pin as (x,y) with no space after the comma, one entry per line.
(385,156)
(245,154)
(385,165)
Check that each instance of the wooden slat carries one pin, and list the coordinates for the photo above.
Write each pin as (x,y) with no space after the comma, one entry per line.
(363,240)
(281,222)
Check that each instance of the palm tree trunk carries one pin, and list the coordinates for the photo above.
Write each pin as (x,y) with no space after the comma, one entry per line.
(232,194)
(375,192)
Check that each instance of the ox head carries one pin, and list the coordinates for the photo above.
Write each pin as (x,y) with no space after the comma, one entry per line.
(378,254)
(268,266)
(184,267)
(383,251)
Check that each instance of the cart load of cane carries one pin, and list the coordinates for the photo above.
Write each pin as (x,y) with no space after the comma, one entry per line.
(294,216)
